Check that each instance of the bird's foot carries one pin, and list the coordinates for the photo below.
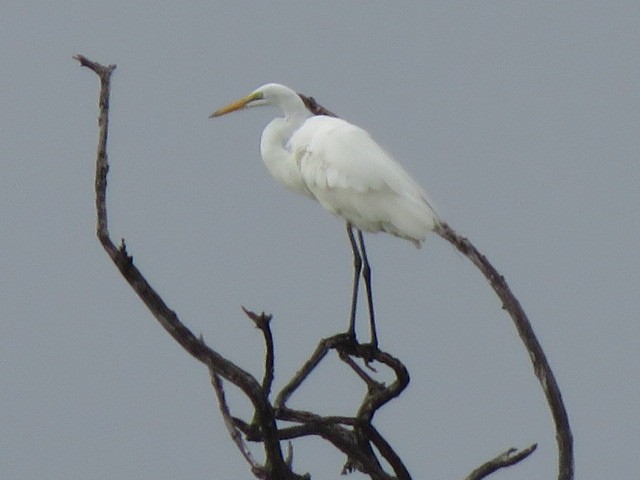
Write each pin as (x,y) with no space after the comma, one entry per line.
(367,351)
(346,343)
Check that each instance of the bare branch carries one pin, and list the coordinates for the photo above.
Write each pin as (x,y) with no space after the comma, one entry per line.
(102,165)
(387,452)
(257,469)
(321,350)
(505,459)
(276,466)
(263,322)
(360,453)
(541,366)
(314,107)
(289,455)
(376,398)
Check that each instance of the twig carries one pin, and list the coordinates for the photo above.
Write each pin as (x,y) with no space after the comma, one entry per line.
(257,469)
(263,322)
(314,107)
(102,164)
(505,459)
(321,350)
(366,378)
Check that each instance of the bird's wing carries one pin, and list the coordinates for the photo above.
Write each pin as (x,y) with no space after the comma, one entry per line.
(334,154)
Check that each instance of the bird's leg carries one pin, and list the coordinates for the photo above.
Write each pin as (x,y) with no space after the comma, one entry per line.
(357,268)
(366,273)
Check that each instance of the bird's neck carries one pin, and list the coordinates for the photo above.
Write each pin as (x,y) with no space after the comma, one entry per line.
(278,158)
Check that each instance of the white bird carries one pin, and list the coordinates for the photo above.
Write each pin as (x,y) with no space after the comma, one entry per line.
(346,171)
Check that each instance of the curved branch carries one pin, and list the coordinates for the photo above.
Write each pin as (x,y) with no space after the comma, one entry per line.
(358,448)
(541,366)
(167,317)
(276,464)
(377,397)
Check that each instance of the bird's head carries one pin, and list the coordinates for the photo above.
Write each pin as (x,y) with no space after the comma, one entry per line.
(272,94)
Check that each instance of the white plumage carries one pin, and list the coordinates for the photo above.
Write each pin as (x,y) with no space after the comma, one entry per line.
(340,166)
(345,170)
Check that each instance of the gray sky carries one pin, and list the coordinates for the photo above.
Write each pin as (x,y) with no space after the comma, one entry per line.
(519,118)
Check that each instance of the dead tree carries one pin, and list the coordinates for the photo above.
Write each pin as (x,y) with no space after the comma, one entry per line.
(355,436)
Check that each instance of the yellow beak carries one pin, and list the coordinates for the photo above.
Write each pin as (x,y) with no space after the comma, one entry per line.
(237,105)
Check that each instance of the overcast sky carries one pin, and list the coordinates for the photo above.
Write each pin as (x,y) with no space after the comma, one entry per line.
(520,119)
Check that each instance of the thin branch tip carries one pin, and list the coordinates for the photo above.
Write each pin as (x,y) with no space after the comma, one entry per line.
(261,321)
(101,70)
(508,458)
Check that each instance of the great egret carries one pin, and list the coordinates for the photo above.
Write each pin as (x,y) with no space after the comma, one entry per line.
(346,171)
